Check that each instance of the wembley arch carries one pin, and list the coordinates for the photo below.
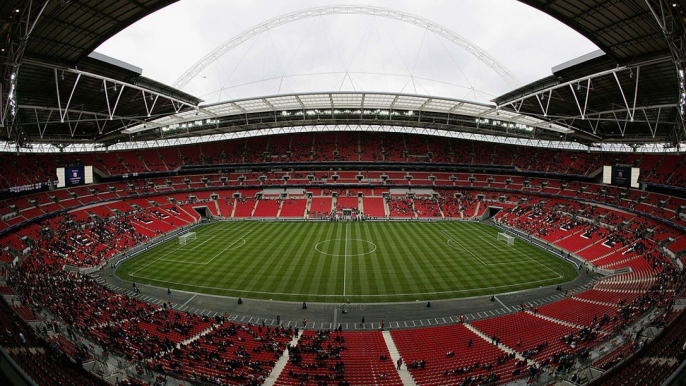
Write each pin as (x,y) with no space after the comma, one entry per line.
(329,10)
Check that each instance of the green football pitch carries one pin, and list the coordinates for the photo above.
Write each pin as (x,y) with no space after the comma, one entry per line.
(346,261)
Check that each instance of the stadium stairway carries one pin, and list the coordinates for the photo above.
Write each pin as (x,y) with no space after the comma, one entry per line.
(278,212)
(600,240)
(216,205)
(198,335)
(616,263)
(254,208)
(595,302)
(307,207)
(558,321)
(233,211)
(501,346)
(281,362)
(404,373)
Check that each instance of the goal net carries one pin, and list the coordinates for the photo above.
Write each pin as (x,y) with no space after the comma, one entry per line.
(186,238)
(506,238)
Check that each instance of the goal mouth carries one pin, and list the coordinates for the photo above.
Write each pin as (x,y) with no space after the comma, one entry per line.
(187,238)
(504,237)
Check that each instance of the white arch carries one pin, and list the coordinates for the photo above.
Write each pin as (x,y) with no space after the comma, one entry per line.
(437,29)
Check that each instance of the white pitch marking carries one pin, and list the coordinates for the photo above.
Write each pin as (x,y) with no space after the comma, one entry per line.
(158,259)
(201,244)
(508,263)
(345,258)
(537,262)
(329,296)
(242,238)
(154,261)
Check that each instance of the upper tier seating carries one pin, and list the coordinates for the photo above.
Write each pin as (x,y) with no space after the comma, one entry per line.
(342,146)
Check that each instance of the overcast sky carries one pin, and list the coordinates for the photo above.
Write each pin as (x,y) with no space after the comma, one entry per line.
(346,52)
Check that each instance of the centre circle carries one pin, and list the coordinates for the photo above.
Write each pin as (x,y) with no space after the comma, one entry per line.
(364,247)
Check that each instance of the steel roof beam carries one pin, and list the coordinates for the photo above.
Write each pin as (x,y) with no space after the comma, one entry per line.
(112,81)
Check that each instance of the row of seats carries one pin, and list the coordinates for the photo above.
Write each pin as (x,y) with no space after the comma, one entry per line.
(451,355)
(343,358)
(24,208)
(249,351)
(390,147)
(109,317)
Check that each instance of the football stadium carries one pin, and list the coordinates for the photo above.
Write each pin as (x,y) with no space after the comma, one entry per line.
(393,193)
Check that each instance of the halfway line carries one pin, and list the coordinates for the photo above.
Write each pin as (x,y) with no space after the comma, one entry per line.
(345,258)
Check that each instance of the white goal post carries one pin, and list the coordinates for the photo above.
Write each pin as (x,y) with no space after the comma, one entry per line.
(506,238)
(186,238)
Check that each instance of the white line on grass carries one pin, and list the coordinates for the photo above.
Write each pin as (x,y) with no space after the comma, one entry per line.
(506,263)
(465,249)
(345,258)
(535,261)
(333,295)
(229,246)
(201,244)
(493,245)
(207,262)
(486,264)
(133,274)
(503,250)
(156,260)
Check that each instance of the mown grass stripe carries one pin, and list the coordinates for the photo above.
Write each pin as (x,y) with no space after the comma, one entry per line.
(412,261)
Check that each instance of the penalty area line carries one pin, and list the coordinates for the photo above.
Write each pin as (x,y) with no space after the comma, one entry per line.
(155,261)
(227,247)
(133,274)
(203,243)
(559,275)
(463,248)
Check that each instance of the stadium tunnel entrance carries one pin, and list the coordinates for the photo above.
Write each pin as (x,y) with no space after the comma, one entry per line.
(203,211)
(491,212)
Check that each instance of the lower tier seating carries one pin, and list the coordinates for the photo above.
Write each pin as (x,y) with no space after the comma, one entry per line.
(452,355)
(343,358)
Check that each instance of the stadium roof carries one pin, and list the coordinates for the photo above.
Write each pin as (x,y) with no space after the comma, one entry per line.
(634,103)
(626,30)
(347,108)
(50,44)
(632,94)
(67,31)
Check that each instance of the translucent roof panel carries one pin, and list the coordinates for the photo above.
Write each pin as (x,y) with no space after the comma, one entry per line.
(353,101)
(377,101)
(253,105)
(285,102)
(316,101)
(409,102)
(346,101)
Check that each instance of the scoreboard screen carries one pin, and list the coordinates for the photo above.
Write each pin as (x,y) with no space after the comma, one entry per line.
(625,176)
(74,176)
